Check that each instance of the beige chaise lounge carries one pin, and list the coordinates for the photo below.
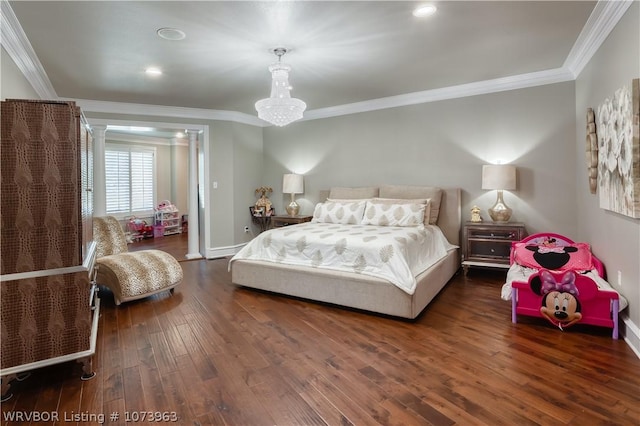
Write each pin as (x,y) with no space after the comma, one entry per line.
(131,275)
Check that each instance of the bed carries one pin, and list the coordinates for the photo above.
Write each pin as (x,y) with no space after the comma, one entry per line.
(359,287)
(555,278)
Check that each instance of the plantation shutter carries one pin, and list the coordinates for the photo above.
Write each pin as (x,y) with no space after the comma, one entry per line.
(129,180)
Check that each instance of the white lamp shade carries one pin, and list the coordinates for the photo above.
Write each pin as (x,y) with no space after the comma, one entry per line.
(501,177)
(292,184)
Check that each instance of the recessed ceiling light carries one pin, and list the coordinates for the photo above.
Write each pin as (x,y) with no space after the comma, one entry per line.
(171,33)
(425,10)
(153,71)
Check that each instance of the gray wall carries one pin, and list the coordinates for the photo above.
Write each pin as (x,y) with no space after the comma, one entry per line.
(179,161)
(13,84)
(615,238)
(247,174)
(443,143)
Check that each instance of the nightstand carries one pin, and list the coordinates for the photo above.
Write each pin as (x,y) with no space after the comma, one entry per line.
(488,244)
(278,221)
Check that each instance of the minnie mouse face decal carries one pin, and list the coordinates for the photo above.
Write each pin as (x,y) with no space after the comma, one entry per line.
(562,309)
(560,304)
(551,257)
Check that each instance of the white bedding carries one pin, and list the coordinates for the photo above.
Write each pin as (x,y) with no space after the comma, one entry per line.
(521,273)
(397,254)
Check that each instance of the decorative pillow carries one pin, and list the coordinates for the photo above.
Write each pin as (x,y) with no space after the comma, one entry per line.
(349,213)
(410,192)
(359,193)
(346,200)
(385,214)
(426,202)
(555,257)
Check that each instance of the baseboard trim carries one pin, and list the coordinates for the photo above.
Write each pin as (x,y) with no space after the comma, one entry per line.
(631,335)
(218,252)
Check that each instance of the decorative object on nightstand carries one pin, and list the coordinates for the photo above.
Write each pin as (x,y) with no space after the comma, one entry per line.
(263,205)
(293,184)
(475,215)
(500,177)
(279,221)
(489,244)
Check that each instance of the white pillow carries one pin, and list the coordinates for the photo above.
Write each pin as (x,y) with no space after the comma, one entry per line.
(425,201)
(408,191)
(345,213)
(385,214)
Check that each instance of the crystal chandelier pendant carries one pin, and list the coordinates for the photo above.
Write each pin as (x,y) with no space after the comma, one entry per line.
(280,108)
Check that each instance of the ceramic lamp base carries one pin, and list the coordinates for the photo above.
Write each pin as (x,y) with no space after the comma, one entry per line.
(293,208)
(500,212)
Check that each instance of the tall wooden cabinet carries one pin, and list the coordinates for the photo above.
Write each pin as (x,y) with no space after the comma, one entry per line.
(49,300)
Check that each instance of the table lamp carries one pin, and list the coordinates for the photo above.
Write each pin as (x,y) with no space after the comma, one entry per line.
(292,184)
(500,177)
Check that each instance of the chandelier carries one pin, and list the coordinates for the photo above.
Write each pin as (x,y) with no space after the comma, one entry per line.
(280,108)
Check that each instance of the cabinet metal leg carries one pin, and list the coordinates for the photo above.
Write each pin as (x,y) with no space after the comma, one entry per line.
(87,368)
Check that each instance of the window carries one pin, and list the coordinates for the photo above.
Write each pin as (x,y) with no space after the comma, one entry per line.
(129,180)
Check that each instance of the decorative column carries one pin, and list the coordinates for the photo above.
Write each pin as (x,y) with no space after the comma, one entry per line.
(194,231)
(99,175)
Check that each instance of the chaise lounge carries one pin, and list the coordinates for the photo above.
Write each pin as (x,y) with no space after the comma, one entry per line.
(131,275)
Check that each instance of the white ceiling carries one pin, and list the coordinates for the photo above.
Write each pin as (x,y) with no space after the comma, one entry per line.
(342,52)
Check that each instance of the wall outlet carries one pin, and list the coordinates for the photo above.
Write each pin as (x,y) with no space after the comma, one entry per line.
(619,278)
(246,229)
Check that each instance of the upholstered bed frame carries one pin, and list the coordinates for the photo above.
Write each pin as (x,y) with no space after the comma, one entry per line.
(356,290)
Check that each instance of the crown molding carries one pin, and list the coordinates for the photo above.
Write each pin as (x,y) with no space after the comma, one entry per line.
(601,22)
(17,45)
(521,81)
(166,111)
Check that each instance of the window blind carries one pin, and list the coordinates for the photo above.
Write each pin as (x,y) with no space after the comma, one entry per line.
(129,180)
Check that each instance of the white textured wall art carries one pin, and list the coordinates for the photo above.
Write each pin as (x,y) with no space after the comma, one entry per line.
(619,152)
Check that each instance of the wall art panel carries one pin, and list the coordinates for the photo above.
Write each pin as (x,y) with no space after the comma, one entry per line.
(619,151)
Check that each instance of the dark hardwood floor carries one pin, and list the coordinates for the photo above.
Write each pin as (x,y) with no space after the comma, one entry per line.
(214,354)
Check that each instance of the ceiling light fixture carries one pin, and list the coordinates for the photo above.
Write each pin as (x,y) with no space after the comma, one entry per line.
(280,108)
(153,71)
(173,34)
(426,10)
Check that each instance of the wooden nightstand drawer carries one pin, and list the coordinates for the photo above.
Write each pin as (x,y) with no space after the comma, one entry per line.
(490,250)
(494,234)
(489,244)
(278,221)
